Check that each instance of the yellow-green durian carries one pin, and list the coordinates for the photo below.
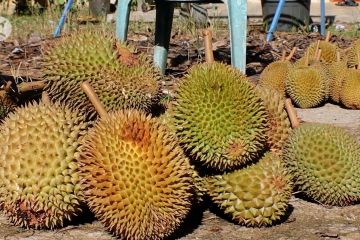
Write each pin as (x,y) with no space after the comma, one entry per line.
(39,173)
(219,117)
(274,76)
(350,90)
(328,51)
(255,196)
(137,180)
(339,73)
(119,78)
(278,121)
(324,162)
(352,54)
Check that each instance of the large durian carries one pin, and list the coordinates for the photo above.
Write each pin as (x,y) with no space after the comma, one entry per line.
(274,75)
(219,117)
(254,196)
(308,86)
(324,162)
(350,90)
(137,180)
(278,121)
(120,79)
(39,179)
(339,73)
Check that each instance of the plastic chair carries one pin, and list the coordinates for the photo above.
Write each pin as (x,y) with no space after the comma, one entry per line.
(237,11)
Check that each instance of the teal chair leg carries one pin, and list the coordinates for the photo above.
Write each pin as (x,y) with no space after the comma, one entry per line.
(122,19)
(164,18)
(237,11)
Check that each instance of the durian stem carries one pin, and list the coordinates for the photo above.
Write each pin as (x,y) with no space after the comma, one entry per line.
(293,51)
(328,36)
(291,113)
(283,55)
(45,97)
(318,55)
(307,56)
(209,55)
(30,86)
(90,93)
(338,57)
(317,48)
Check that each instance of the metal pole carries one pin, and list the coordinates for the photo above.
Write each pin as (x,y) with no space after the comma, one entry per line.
(61,23)
(275,20)
(322,18)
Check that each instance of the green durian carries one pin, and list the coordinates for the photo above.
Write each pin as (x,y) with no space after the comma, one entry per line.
(324,162)
(219,117)
(119,78)
(274,75)
(39,153)
(278,121)
(308,86)
(255,196)
(137,180)
(350,90)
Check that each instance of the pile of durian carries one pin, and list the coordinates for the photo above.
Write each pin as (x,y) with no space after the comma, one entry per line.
(325,73)
(94,142)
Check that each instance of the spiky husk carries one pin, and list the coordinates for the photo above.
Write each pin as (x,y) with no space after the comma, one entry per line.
(254,196)
(278,121)
(274,76)
(352,54)
(39,180)
(328,51)
(339,72)
(219,117)
(308,86)
(350,90)
(120,79)
(323,161)
(137,180)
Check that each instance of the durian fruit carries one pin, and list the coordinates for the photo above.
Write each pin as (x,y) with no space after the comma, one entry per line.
(350,90)
(324,162)
(352,54)
(120,79)
(137,180)
(255,196)
(328,51)
(39,179)
(274,75)
(308,86)
(279,124)
(219,117)
(339,72)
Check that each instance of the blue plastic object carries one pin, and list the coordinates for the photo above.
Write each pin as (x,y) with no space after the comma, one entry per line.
(275,20)
(322,17)
(164,17)
(61,23)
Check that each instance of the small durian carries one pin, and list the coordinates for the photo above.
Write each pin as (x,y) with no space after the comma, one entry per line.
(39,153)
(352,54)
(328,51)
(255,196)
(324,162)
(274,75)
(350,90)
(136,178)
(120,79)
(308,85)
(279,124)
(219,117)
